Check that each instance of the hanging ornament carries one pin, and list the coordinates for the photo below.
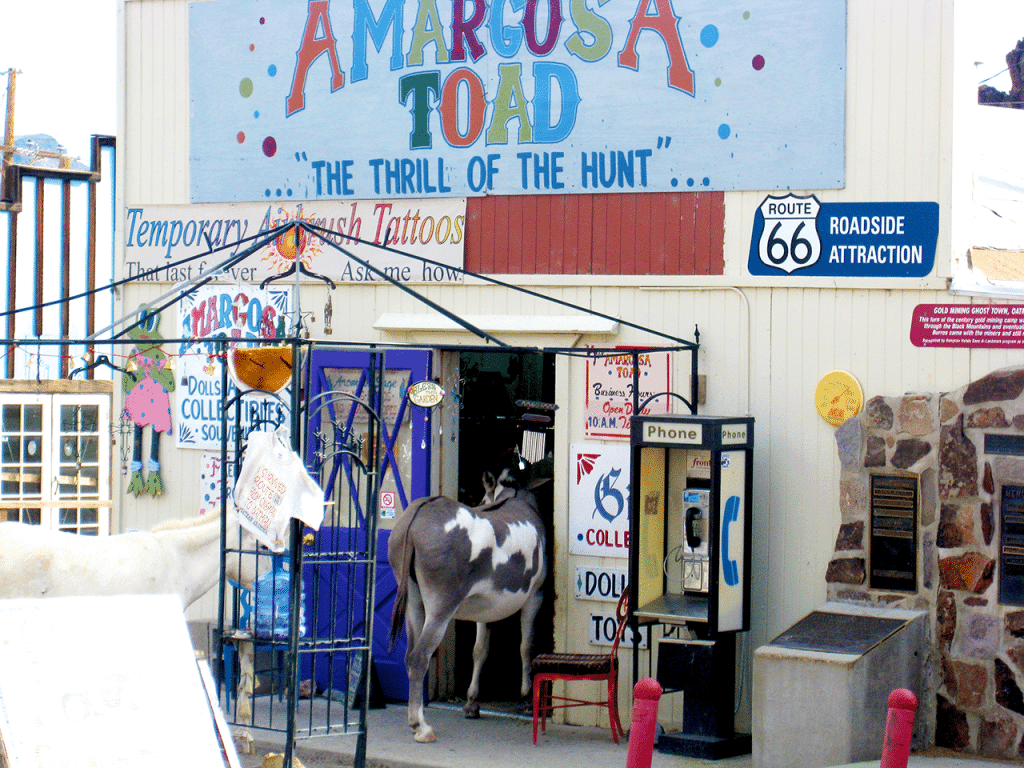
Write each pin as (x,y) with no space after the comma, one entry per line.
(328,314)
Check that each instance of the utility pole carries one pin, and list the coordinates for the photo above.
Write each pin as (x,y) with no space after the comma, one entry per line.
(8,147)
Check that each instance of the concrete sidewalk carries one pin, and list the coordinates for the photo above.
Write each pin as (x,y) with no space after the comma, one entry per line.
(493,741)
(506,741)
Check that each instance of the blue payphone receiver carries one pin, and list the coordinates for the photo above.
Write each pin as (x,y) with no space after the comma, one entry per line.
(730,569)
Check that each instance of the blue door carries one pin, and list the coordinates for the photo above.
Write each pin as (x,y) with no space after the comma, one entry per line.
(344,386)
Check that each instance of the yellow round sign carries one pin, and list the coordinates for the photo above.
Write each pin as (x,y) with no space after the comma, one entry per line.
(838,396)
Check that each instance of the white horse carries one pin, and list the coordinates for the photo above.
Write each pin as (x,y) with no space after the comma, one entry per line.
(452,562)
(180,557)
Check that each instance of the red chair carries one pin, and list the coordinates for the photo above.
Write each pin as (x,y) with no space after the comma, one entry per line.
(548,667)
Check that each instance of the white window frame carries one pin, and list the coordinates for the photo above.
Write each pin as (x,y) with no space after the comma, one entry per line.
(54,494)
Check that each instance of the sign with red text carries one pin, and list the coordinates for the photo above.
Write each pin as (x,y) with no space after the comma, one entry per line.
(610,383)
(387,505)
(372,99)
(599,500)
(968,325)
(245,314)
(158,239)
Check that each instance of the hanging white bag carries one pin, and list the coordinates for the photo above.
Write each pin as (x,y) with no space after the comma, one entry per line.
(273,487)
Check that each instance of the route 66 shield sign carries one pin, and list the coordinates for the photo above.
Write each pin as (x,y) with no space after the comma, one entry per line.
(789,240)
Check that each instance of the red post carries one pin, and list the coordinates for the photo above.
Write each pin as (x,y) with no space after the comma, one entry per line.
(899,729)
(646,695)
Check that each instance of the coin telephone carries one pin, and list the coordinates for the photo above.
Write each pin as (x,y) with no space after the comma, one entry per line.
(692,480)
(695,552)
(690,538)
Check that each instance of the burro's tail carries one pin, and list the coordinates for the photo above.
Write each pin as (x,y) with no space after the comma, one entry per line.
(400,555)
(398,614)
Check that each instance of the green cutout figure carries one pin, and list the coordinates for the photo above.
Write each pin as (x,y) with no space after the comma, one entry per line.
(147,403)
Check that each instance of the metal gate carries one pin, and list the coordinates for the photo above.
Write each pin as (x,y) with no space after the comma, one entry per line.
(314,671)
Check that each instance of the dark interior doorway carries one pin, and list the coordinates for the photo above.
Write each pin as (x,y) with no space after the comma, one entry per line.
(507,401)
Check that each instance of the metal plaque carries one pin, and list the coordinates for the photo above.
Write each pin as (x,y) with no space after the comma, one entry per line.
(837,632)
(1011,546)
(893,541)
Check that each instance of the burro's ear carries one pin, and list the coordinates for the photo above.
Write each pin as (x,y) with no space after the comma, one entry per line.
(489,482)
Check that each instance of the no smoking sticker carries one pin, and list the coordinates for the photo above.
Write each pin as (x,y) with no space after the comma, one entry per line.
(387,504)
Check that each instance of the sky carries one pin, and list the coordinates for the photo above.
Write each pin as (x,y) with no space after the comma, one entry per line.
(65,52)
(999,24)
(67,57)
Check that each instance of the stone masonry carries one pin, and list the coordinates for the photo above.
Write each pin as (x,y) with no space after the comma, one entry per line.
(974,702)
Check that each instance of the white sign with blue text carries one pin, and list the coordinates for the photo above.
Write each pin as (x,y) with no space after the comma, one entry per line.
(599,500)
(603,584)
(371,99)
(603,626)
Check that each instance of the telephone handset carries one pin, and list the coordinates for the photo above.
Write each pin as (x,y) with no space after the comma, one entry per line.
(696,572)
(692,536)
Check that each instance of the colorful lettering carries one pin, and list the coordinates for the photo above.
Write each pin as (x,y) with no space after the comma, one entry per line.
(310,49)
(364,23)
(427,29)
(665,23)
(465,29)
(510,102)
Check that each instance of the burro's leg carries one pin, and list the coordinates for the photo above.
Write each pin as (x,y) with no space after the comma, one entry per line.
(483,636)
(527,618)
(427,638)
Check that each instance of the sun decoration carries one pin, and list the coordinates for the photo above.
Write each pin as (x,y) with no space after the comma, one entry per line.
(585,464)
(281,253)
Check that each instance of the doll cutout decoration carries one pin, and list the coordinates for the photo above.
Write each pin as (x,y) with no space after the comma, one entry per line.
(146,384)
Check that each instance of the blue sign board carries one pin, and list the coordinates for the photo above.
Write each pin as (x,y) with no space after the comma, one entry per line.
(800,236)
(377,99)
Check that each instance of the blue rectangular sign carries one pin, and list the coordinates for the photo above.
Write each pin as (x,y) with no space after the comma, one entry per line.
(376,99)
(802,237)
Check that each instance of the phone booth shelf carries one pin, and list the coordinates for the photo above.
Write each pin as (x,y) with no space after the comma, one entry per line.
(689,566)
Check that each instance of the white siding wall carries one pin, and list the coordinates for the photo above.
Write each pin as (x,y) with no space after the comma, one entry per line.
(765,343)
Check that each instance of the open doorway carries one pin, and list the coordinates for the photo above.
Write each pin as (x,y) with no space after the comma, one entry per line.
(507,401)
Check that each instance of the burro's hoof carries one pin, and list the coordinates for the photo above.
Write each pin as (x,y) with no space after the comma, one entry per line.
(471,711)
(425,736)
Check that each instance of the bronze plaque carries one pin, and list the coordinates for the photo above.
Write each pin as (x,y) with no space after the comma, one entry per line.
(893,541)
(1011,546)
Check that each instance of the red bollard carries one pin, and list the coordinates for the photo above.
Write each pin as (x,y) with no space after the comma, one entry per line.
(899,729)
(646,695)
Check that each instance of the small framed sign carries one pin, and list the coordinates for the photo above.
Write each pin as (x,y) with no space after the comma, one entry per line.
(426,393)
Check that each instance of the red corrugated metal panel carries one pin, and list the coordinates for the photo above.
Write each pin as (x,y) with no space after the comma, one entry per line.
(716,253)
(656,233)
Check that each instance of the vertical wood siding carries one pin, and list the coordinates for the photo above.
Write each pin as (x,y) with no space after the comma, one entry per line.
(763,348)
(620,234)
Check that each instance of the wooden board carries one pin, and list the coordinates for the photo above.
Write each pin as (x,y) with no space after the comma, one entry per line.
(102,681)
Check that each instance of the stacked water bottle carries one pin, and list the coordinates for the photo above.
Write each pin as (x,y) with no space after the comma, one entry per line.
(272,600)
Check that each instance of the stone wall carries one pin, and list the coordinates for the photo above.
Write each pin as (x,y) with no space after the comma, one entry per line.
(973,700)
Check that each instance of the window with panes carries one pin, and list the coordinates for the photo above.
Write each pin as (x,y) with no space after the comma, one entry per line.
(55,461)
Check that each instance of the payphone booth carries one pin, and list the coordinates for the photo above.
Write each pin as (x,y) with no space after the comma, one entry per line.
(689,561)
